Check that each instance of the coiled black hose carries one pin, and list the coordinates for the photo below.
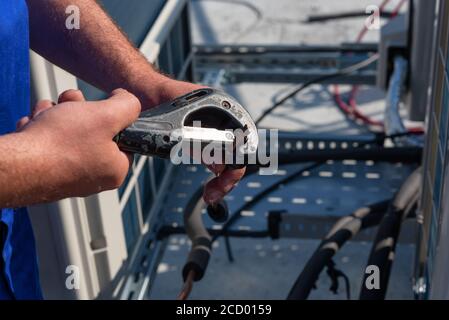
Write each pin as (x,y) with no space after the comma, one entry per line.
(384,245)
(343,230)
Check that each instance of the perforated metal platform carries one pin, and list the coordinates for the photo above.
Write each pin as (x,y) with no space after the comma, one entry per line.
(334,189)
(313,201)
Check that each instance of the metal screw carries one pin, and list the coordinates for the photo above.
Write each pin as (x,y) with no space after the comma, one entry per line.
(226,104)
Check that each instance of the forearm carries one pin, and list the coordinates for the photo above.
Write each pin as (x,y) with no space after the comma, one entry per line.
(98,52)
(25,173)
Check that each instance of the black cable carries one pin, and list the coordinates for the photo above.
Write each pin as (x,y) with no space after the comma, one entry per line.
(342,72)
(334,274)
(167,231)
(228,249)
(384,246)
(379,154)
(343,15)
(262,195)
(342,231)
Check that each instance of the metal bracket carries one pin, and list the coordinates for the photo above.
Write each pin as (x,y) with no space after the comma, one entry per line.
(315,226)
(236,64)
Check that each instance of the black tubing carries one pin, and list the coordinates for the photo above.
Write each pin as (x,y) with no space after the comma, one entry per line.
(380,154)
(343,15)
(363,153)
(199,255)
(236,215)
(342,231)
(218,212)
(167,231)
(384,245)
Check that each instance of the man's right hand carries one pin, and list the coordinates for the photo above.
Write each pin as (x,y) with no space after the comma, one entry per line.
(71,149)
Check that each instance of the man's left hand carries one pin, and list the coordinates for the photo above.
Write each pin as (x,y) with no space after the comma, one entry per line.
(226,178)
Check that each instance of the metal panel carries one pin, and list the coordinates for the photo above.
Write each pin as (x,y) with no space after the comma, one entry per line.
(424,13)
(315,225)
(74,231)
(284,63)
(393,40)
(432,256)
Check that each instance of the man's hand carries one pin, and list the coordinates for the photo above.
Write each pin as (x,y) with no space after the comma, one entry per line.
(66,150)
(225,179)
(101,55)
(214,190)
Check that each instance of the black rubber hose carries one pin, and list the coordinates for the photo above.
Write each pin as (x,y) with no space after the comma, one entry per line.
(384,245)
(218,212)
(236,215)
(199,255)
(343,15)
(167,231)
(380,154)
(342,231)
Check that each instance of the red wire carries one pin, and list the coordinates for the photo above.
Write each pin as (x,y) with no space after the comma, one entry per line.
(353,112)
(398,8)
(351,108)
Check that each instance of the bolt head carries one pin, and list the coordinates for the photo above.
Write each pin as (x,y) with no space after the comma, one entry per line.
(226,104)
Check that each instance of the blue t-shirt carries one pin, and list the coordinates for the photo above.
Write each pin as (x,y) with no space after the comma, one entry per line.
(19,277)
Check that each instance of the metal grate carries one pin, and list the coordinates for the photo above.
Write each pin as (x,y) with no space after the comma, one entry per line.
(334,189)
(331,191)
